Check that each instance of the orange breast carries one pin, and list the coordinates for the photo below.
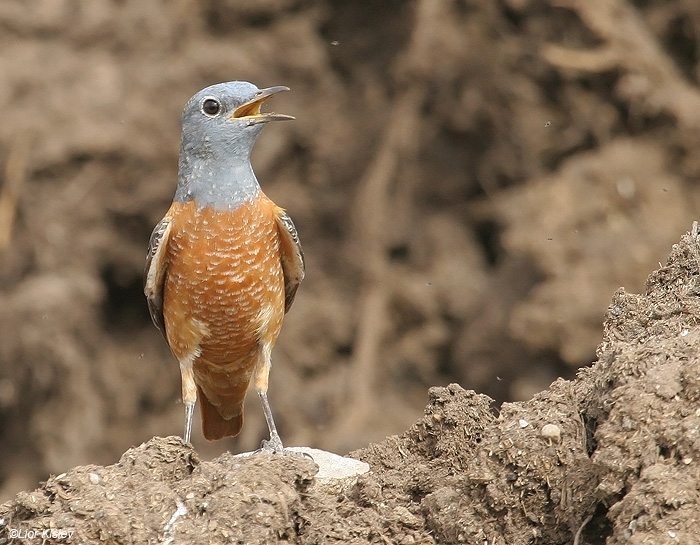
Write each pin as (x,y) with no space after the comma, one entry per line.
(224,288)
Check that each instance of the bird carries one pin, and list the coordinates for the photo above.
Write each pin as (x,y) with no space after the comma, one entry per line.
(224,264)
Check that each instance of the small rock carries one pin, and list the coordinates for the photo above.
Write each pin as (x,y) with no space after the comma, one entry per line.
(330,466)
(407,518)
(333,466)
(551,432)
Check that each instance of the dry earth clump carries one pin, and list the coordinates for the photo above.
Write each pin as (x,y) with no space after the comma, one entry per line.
(611,456)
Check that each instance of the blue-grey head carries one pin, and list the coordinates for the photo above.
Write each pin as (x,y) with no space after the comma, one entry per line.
(220,125)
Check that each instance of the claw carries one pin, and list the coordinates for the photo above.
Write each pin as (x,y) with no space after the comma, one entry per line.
(270,447)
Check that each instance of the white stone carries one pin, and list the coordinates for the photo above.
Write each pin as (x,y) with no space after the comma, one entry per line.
(330,466)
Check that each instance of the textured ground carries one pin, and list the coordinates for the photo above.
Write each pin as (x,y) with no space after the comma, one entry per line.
(612,454)
(471,182)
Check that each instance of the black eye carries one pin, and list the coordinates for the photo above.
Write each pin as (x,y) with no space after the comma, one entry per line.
(211,106)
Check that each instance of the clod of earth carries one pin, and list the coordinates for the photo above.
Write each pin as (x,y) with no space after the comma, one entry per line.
(611,456)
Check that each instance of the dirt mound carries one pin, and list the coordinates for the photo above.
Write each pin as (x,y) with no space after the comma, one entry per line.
(610,456)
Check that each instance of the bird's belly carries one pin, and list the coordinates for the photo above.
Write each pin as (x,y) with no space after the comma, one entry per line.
(224,288)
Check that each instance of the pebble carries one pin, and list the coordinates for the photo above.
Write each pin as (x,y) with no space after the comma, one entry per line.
(551,432)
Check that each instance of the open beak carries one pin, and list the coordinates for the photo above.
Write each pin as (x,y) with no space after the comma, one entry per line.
(251,109)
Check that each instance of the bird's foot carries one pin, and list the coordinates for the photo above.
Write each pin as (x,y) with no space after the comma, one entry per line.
(274,446)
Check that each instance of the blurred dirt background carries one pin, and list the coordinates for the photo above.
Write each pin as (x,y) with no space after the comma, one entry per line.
(471,182)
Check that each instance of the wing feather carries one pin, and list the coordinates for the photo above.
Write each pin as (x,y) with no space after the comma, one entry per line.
(154,273)
(292,257)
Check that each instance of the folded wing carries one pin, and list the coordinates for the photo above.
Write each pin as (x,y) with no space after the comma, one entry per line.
(154,273)
(292,257)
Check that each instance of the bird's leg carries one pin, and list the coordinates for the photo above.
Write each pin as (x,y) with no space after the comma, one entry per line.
(189,411)
(189,395)
(274,445)
(262,375)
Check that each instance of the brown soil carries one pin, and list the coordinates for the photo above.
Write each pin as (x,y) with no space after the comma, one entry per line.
(471,181)
(612,454)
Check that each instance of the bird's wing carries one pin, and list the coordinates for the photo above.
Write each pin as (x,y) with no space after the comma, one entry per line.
(154,274)
(292,257)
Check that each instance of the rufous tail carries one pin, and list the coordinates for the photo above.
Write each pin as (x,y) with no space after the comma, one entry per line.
(215,426)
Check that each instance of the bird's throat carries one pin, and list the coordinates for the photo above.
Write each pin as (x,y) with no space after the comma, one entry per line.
(221,186)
